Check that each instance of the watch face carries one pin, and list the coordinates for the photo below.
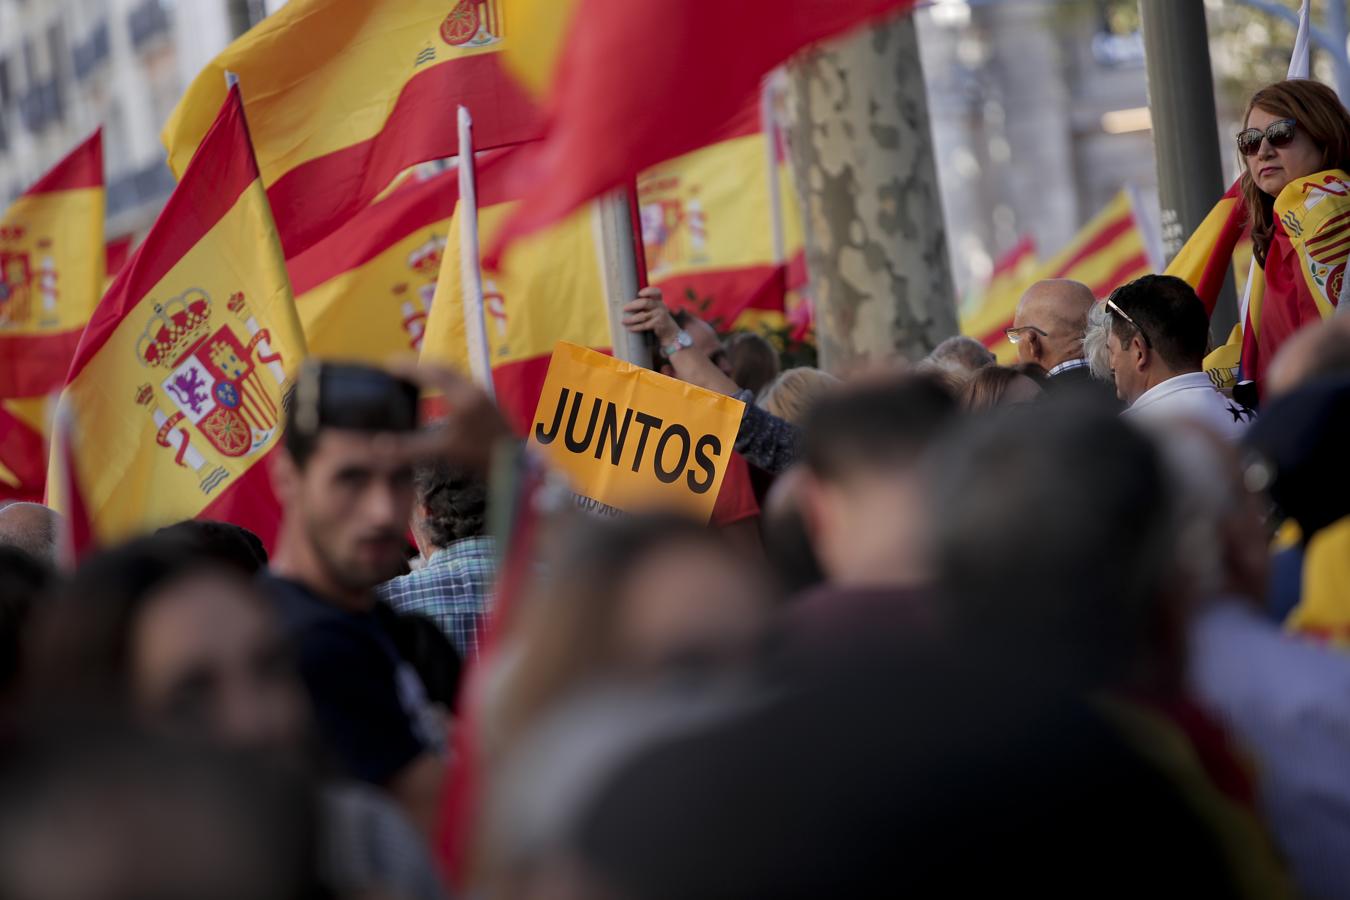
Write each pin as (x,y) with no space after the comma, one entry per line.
(684,339)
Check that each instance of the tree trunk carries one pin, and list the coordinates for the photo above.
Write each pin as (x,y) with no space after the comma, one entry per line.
(862,157)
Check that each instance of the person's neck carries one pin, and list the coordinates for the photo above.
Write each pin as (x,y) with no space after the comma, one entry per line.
(297,560)
(1060,359)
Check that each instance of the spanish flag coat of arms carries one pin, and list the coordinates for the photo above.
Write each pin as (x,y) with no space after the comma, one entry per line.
(175,394)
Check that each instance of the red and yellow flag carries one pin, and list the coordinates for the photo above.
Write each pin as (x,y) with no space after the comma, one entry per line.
(343,95)
(549,289)
(176,389)
(1109,251)
(708,227)
(604,127)
(51,276)
(364,292)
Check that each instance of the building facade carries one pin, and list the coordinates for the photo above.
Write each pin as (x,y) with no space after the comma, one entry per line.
(69,66)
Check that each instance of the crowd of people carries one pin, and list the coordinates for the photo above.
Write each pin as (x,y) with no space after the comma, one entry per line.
(1076,625)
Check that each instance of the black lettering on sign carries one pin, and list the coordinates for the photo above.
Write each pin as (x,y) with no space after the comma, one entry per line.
(579,446)
(705,443)
(546,437)
(648,423)
(673,475)
(616,435)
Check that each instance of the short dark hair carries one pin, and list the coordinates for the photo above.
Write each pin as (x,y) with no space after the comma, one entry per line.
(24,581)
(1052,527)
(754,361)
(881,424)
(1171,315)
(456,502)
(222,541)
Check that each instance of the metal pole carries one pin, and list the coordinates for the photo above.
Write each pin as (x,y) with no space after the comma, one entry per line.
(619,266)
(1339,31)
(1185,130)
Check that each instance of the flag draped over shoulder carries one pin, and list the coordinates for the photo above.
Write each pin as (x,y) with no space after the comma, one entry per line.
(625,89)
(343,95)
(364,292)
(549,289)
(175,394)
(1109,251)
(709,232)
(51,271)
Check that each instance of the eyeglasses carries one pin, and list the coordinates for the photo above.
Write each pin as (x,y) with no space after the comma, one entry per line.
(1015,335)
(1280,134)
(1111,307)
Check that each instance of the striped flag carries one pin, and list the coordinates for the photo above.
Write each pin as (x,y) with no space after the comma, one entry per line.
(343,95)
(176,388)
(1109,251)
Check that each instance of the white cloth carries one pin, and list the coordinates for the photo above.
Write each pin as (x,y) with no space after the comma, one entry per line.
(1192,397)
(1288,701)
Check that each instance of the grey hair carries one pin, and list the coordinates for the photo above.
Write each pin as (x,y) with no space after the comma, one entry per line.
(1094,341)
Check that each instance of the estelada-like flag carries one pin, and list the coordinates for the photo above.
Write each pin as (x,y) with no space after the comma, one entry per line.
(363,293)
(51,271)
(549,289)
(708,226)
(343,95)
(1013,273)
(1109,251)
(176,388)
(603,124)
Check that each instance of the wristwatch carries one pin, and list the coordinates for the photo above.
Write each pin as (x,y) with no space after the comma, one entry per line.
(682,342)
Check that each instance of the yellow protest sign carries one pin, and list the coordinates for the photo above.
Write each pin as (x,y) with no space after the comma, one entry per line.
(634,439)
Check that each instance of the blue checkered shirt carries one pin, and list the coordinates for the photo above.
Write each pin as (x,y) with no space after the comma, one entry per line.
(453,590)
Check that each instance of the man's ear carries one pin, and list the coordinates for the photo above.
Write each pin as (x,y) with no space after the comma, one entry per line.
(1142,354)
(286,476)
(1034,345)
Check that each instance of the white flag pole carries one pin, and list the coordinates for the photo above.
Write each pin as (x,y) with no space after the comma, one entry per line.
(470,271)
(769,126)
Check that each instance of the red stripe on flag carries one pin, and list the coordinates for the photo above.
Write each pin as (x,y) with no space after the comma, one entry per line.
(1009,261)
(214,181)
(1133,267)
(36,364)
(81,168)
(315,198)
(992,337)
(115,254)
(731,292)
(1331,249)
(1221,258)
(374,231)
(250,501)
(1106,236)
(1328,230)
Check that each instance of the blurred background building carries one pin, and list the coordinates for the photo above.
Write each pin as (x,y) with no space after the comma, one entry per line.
(1039,107)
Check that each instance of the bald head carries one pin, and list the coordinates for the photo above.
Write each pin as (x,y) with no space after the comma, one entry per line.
(1311,353)
(32,528)
(1059,308)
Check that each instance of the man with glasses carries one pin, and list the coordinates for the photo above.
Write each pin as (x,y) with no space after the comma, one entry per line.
(1159,332)
(1048,330)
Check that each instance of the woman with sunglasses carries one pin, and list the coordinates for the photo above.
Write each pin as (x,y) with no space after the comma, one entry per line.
(1295,145)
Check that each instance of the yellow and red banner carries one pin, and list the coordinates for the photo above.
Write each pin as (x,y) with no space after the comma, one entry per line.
(709,232)
(549,289)
(1109,251)
(175,393)
(51,276)
(343,95)
(364,292)
(631,438)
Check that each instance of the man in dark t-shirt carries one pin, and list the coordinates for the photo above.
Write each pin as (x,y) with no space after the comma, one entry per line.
(346,503)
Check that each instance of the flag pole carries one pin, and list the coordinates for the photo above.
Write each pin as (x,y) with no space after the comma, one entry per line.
(470,269)
(616,222)
(768,124)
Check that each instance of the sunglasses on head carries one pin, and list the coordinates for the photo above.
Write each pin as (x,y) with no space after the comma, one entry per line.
(1278,133)
(1114,309)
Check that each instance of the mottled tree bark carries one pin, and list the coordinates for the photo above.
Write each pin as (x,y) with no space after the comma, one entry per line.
(862,156)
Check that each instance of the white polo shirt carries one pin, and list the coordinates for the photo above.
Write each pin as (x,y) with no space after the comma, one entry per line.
(1193,397)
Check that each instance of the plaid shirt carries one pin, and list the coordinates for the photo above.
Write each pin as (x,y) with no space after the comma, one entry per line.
(452,589)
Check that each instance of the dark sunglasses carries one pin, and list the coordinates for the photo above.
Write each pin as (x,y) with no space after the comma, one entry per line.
(1278,133)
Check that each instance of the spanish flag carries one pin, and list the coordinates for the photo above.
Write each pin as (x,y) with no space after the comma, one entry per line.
(363,293)
(176,389)
(602,127)
(1109,251)
(51,276)
(343,95)
(720,228)
(549,289)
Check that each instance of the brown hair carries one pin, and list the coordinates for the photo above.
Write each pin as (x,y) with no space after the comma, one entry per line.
(1319,113)
(986,389)
(791,395)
